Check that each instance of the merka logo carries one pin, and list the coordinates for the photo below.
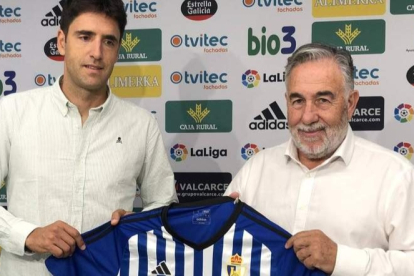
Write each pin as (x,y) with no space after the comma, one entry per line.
(199,9)
(271,44)
(344,8)
(141,10)
(404,113)
(348,36)
(178,152)
(248,150)
(198,115)
(51,50)
(251,78)
(53,17)
(405,149)
(9,86)
(129,44)
(271,118)
(410,76)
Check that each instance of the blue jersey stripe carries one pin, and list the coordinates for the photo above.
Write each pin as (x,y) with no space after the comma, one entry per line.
(161,243)
(143,256)
(238,240)
(125,264)
(255,258)
(198,263)
(179,258)
(217,257)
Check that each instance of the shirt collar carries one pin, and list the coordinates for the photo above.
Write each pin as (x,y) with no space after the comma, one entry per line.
(344,152)
(64,104)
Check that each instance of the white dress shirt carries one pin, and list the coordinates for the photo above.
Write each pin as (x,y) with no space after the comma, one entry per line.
(57,169)
(362,198)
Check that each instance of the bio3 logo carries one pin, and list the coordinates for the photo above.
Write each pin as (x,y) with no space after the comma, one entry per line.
(7,84)
(271,44)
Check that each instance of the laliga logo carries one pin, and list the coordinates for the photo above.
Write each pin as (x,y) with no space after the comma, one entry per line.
(249,150)
(178,152)
(404,113)
(405,149)
(251,78)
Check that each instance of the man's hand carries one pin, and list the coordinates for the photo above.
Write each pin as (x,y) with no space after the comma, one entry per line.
(314,249)
(58,238)
(117,214)
(234,195)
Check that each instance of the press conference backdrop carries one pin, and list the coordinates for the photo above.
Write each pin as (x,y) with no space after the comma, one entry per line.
(212,72)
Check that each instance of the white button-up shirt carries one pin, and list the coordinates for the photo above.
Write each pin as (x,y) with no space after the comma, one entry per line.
(362,198)
(57,169)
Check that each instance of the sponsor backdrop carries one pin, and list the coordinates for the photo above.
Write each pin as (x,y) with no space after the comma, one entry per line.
(212,72)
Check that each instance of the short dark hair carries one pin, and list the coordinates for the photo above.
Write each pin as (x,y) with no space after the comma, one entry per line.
(112,8)
(318,51)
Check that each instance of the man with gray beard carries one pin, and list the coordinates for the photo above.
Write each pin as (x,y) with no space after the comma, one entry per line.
(348,202)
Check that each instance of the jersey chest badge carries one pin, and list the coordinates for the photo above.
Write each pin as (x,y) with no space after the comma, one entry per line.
(235,267)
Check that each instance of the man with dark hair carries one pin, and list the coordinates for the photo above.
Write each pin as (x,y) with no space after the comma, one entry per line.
(73,153)
(348,202)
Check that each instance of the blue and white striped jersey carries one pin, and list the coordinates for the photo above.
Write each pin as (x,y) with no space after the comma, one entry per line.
(219,237)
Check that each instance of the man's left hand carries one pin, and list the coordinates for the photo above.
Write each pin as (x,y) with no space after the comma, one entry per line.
(117,214)
(314,249)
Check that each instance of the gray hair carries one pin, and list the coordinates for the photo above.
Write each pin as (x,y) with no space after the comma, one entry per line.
(318,51)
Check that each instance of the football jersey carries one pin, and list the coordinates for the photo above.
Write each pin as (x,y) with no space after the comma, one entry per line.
(218,237)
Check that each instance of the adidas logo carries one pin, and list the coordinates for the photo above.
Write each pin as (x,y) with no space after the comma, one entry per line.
(270,118)
(53,17)
(161,269)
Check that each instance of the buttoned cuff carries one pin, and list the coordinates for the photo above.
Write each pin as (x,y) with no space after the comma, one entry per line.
(350,261)
(18,235)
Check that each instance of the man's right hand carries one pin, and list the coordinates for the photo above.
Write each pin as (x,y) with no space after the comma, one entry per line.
(58,238)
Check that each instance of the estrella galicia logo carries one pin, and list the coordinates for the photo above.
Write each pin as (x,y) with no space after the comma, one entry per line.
(410,76)
(199,186)
(355,36)
(51,50)
(401,6)
(52,18)
(207,79)
(41,80)
(248,150)
(210,43)
(199,10)
(178,152)
(404,113)
(271,44)
(405,149)
(140,45)
(368,114)
(9,86)
(7,14)
(198,116)
(271,118)
(141,10)
(251,78)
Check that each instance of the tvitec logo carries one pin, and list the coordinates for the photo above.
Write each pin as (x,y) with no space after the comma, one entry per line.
(179,152)
(271,44)
(41,80)
(282,5)
(405,149)
(10,15)
(207,79)
(211,44)
(141,10)
(7,84)
(10,50)
(404,113)
(366,76)
(251,78)
(52,18)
